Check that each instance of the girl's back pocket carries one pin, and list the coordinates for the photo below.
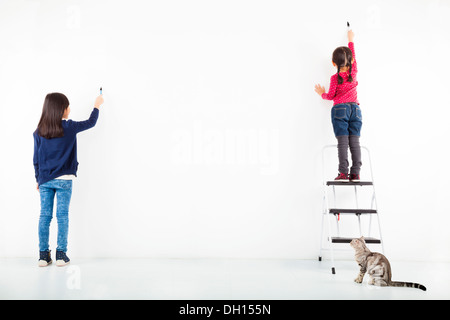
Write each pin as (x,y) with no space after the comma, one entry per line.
(358,113)
(340,113)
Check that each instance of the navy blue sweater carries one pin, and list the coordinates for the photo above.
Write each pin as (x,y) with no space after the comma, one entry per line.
(58,156)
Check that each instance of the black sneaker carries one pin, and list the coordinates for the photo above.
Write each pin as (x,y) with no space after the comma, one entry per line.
(354,177)
(44,258)
(61,258)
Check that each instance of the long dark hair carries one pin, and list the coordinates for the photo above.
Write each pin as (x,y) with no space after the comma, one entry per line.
(50,125)
(342,57)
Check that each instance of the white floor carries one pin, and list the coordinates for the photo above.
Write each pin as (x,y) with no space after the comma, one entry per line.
(227,279)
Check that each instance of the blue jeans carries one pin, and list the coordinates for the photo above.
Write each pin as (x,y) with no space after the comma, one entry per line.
(346,119)
(63,191)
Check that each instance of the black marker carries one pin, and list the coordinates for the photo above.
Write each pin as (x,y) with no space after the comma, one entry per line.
(348,26)
(102,90)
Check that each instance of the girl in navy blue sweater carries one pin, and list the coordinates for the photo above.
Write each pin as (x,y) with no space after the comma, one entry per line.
(55,164)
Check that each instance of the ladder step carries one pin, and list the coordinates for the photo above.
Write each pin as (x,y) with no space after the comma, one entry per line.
(340,183)
(348,240)
(354,211)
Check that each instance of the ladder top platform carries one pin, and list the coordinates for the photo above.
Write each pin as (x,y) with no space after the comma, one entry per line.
(354,211)
(341,183)
(348,240)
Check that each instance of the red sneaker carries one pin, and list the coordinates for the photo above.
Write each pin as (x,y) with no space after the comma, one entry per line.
(354,177)
(342,177)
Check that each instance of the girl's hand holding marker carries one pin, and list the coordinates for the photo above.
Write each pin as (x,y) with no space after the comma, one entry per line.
(350,35)
(99,101)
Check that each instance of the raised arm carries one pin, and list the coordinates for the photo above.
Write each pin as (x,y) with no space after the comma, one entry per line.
(89,123)
(351,44)
(86,124)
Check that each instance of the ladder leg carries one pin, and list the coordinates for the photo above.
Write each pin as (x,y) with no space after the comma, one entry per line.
(334,197)
(357,207)
(359,224)
(321,240)
(356,198)
(334,201)
(333,271)
(370,218)
(374,200)
(379,230)
(337,225)
(324,210)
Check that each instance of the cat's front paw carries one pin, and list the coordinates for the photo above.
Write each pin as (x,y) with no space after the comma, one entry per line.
(358,280)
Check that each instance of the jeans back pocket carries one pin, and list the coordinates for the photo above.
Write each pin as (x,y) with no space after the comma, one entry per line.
(339,113)
(358,113)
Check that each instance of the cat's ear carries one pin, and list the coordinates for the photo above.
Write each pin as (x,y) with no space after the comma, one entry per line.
(362,238)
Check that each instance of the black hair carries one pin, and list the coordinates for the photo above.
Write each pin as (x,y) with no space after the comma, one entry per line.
(342,57)
(50,124)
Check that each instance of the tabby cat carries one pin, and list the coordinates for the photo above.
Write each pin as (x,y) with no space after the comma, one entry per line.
(377,266)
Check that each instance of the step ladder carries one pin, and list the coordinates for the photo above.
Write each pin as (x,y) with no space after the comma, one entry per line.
(328,212)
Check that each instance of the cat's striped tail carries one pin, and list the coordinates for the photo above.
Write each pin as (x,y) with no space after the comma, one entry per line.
(408,284)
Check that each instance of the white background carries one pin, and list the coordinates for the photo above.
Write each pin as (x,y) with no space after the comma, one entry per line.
(209,142)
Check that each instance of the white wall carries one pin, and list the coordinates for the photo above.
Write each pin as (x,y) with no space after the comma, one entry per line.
(209,142)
